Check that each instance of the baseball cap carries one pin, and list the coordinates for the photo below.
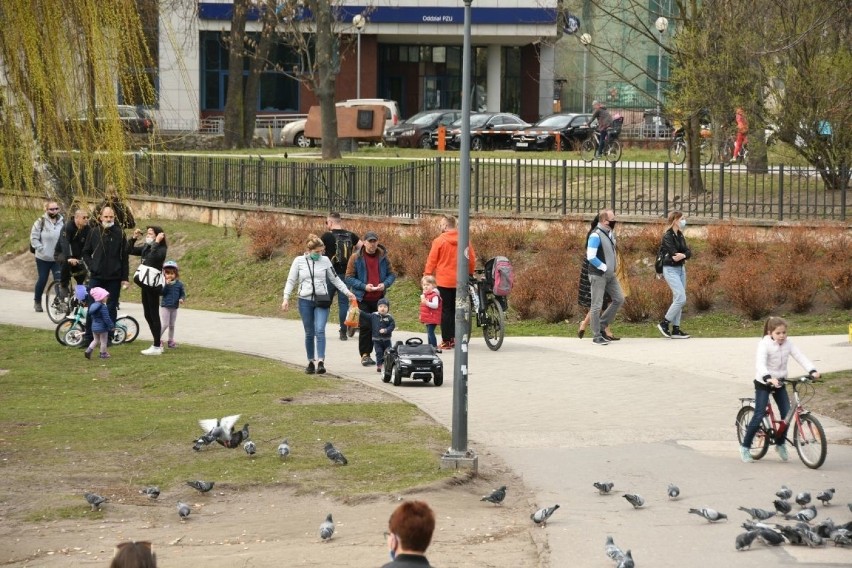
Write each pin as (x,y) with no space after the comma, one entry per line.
(371,236)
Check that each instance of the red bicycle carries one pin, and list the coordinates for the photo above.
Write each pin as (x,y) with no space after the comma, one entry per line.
(808,434)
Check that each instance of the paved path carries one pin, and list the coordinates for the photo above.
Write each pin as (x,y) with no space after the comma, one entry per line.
(564,413)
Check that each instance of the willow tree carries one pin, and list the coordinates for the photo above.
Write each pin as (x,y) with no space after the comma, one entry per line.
(62,65)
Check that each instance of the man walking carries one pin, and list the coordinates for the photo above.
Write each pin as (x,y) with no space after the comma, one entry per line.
(339,244)
(600,252)
(106,253)
(368,275)
(441,264)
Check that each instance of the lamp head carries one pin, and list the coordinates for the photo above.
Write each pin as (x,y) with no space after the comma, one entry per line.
(661,24)
(359,21)
(586,39)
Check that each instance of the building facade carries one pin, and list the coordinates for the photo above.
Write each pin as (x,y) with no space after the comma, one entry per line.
(410,51)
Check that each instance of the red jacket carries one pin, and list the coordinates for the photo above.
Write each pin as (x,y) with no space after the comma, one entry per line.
(442,259)
(427,314)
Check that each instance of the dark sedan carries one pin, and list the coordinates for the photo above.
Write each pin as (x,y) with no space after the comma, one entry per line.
(133,119)
(416,131)
(542,135)
(488,131)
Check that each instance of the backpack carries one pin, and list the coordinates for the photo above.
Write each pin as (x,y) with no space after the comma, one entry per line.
(40,230)
(343,246)
(658,263)
(501,274)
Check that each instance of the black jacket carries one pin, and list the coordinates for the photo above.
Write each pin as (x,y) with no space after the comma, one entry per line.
(408,561)
(674,243)
(71,242)
(153,255)
(106,253)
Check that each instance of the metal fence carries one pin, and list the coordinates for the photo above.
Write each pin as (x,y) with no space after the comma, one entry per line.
(510,187)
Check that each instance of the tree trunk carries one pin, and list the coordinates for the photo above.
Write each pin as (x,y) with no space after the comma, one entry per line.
(693,142)
(234,128)
(326,78)
(258,65)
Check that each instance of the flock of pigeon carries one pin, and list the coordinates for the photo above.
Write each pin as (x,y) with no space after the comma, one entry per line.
(222,432)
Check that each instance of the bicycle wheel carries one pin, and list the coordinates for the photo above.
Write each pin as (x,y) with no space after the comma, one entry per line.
(493,328)
(70,333)
(760,444)
(130,329)
(726,151)
(61,329)
(587,149)
(810,442)
(705,152)
(612,152)
(56,305)
(677,152)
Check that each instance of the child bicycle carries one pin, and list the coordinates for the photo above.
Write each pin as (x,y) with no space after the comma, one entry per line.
(808,433)
(58,303)
(487,310)
(71,330)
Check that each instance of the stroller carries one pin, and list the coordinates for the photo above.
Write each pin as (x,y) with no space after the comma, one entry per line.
(413,359)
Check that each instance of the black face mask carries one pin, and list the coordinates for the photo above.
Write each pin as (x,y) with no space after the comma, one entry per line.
(611,225)
(53,215)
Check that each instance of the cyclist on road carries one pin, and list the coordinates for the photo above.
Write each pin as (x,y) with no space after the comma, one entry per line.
(773,352)
(604,119)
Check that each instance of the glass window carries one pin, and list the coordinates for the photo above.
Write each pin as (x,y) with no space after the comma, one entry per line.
(439,55)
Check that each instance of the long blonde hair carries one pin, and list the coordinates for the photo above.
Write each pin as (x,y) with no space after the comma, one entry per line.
(673,218)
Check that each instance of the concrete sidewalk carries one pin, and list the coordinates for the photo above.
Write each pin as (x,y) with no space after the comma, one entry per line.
(564,412)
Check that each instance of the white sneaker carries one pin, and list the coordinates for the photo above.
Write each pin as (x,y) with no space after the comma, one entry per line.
(153,350)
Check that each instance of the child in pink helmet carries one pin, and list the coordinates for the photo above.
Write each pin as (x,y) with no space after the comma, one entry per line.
(102,324)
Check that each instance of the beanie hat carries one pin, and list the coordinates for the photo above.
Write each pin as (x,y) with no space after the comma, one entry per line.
(383,301)
(98,294)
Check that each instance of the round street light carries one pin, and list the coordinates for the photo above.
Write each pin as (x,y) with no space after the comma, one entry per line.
(585,39)
(661,24)
(359,22)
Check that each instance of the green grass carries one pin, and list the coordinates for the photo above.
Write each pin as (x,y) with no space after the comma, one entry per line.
(118,425)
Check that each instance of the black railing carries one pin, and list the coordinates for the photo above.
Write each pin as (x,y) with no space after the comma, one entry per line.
(529,187)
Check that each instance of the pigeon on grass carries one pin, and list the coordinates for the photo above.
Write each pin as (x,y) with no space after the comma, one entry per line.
(496,496)
(250,448)
(334,454)
(541,516)
(152,492)
(94,500)
(284,449)
(183,510)
(326,529)
(712,515)
(202,486)
(215,430)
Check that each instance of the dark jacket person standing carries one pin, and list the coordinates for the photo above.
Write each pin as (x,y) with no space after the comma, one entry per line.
(69,250)
(153,252)
(106,254)
(410,530)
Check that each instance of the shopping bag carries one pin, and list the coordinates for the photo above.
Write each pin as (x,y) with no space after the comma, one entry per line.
(353,315)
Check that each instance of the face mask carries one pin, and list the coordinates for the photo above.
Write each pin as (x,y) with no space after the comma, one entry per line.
(612,224)
(149,240)
(107,224)
(393,555)
(53,215)
(682,223)
(315,256)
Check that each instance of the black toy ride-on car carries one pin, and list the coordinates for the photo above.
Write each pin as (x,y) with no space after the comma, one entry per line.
(415,360)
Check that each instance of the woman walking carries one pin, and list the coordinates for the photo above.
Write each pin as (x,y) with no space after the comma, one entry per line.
(675,254)
(153,252)
(308,276)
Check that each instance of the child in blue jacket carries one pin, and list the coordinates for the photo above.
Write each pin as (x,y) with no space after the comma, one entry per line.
(174,295)
(102,324)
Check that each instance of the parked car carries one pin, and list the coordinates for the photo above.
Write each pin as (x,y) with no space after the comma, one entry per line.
(416,131)
(293,133)
(488,130)
(133,119)
(542,135)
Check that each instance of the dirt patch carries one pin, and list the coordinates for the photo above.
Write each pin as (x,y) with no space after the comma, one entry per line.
(831,398)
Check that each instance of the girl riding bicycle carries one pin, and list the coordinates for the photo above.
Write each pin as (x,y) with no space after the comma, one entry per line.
(773,352)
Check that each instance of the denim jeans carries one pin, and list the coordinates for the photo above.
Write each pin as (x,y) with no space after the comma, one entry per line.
(676,279)
(761,399)
(430,334)
(313,320)
(606,283)
(44,268)
(381,345)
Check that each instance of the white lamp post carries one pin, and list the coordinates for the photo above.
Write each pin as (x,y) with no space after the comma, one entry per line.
(359,22)
(662,25)
(585,39)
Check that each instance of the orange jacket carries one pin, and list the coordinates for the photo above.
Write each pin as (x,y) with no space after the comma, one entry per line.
(442,259)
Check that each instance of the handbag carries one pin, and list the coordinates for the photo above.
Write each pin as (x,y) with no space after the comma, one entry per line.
(323,299)
(148,277)
(353,316)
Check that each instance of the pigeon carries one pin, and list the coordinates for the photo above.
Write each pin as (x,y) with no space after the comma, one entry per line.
(94,500)
(770,537)
(152,492)
(626,561)
(752,525)
(782,506)
(825,528)
(759,514)
(327,528)
(784,493)
(744,540)
(236,438)
(284,449)
(541,516)
(334,454)
(711,515)
(673,491)
(496,496)
(825,496)
(250,448)
(202,486)
(215,430)
(634,499)
(615,554)
(789,534)
(806,515)
(809,537)
(183,510)
(603,487)
(841,537)
(803,498)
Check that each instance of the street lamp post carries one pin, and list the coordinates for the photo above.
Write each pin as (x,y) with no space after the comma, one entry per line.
(662,25)
(359,22)
(585,39)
